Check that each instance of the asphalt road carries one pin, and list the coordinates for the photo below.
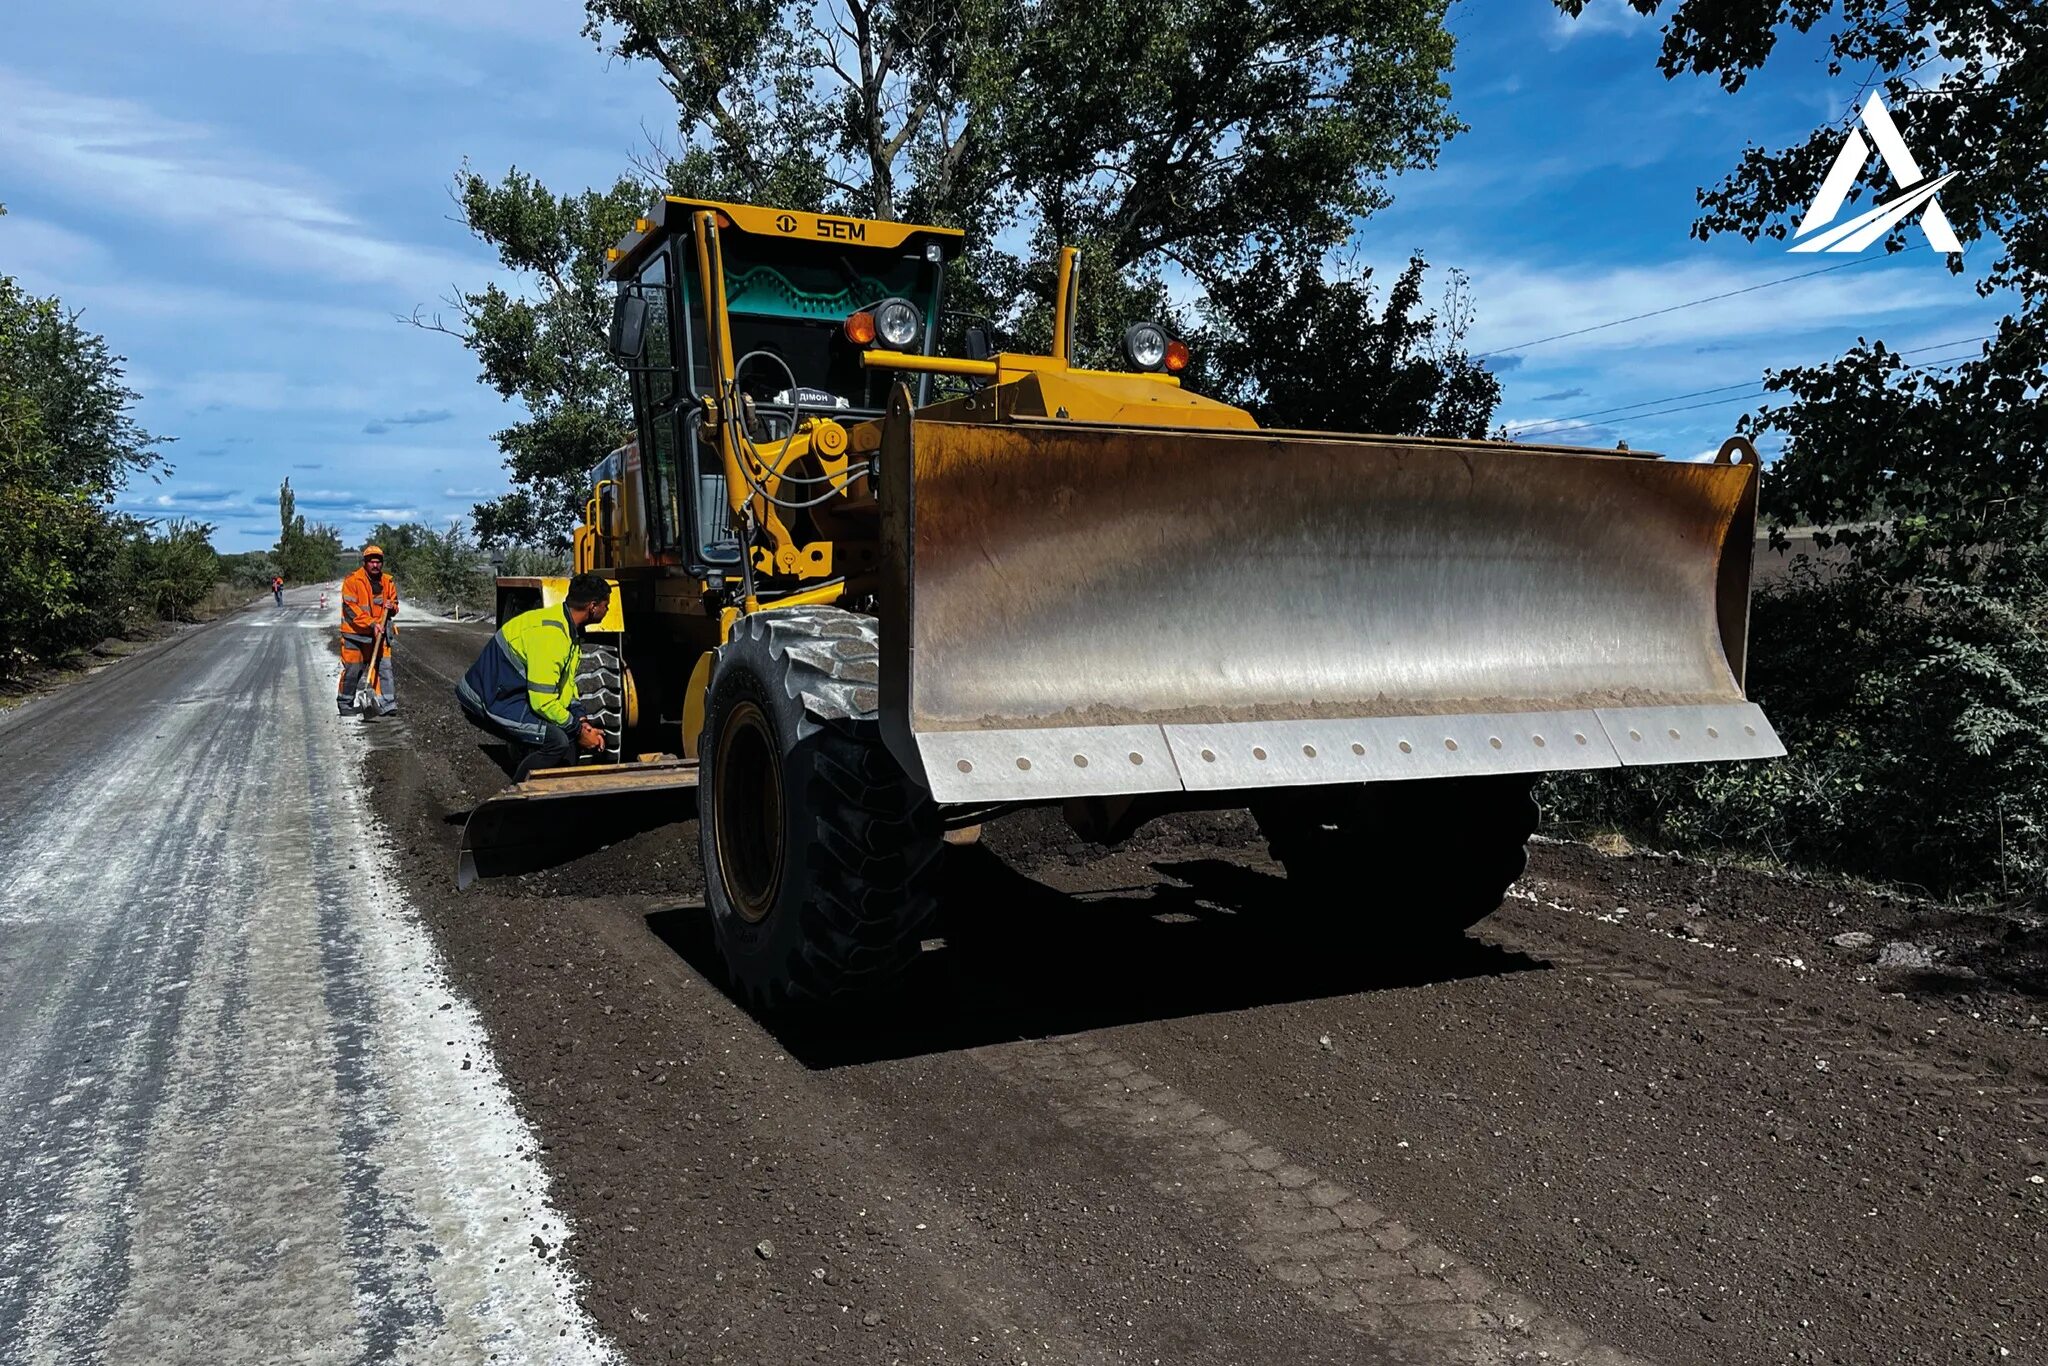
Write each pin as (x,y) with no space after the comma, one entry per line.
(242,1116)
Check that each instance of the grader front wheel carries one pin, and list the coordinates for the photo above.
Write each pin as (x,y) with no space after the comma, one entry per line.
(820,856)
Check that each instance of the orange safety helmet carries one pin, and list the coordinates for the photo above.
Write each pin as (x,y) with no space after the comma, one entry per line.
(370,550)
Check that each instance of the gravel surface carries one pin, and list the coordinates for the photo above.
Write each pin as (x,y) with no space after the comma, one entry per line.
(1132,1108)
(243,1117)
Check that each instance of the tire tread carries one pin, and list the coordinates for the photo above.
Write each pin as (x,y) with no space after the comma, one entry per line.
(871,836)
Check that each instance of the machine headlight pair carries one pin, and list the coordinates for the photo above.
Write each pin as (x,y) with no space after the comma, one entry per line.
(1147,347)
(894,322)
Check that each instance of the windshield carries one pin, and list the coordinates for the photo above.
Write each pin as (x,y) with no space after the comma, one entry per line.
(788,301)
(788,304)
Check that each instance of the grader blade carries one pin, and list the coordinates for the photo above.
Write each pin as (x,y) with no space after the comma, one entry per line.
(560,814)
(1074,609)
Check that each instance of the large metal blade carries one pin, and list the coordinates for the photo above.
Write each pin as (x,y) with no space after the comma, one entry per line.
(1074,608)
(560,814)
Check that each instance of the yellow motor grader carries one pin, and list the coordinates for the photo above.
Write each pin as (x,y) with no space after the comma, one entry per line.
(868,592)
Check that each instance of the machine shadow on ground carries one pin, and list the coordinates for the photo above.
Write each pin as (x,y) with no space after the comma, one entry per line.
(527,837)
(1018,959)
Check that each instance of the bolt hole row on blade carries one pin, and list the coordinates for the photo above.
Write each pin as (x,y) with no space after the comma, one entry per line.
(1072,761)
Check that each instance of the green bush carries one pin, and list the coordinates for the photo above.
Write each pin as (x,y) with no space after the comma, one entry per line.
(1916,724)
(168,573)
(67,445)
(439,567)
(249,569)
(531,562)
(60,584)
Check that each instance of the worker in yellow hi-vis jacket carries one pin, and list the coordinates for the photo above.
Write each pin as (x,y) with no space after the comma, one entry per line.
(522,688)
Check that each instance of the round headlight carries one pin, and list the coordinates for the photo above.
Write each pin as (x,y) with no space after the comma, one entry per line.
(896,322)
(1145,345)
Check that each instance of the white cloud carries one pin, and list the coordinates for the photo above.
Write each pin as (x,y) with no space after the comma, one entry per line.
(161,299)
(1517,303)
(33,247)
(263,391)
(1599,18)
(195,498)
(119,154)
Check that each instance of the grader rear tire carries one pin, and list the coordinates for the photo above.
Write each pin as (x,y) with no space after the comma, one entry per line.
(820,855)
(1414,862)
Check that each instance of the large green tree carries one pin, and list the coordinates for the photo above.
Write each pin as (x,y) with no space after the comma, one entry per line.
(1199,138)
(541,342)
(1909,683)
(69,442)
(304,554)
(1298,347)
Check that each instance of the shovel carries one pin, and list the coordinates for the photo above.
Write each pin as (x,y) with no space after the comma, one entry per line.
(365,700)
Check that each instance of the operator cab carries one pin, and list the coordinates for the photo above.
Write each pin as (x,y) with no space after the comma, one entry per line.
(792,280)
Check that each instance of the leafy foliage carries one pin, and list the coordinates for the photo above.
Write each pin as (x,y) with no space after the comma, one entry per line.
(1909,685)
(545,348)
(1298,349)
(1201,136)
(1193,131)
(68,443)
(1948,464)
(170,572)
(1963,78)
(304,554)
(441,567)
(451,571)
(1945,470)
(1917,731)
(249,569)
(530,561)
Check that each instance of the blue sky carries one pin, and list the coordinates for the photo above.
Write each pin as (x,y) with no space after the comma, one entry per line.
(244,197)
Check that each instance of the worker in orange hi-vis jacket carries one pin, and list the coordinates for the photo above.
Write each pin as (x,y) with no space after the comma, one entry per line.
(369,599)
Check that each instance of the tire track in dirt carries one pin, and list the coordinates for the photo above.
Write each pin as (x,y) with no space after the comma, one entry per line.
(1614,1134)
(1344,1254)
(2007,1090)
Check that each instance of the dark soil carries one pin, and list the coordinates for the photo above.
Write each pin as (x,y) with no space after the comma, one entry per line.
(1696,1129)
(1986,962)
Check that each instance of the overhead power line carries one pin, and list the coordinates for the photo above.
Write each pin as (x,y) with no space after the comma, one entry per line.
(1719,389)
(1557,427)
(1691,303)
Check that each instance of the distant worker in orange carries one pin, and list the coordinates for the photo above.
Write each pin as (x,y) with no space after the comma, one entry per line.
(369,599)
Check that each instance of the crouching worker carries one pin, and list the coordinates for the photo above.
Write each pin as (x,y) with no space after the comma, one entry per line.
(522,688)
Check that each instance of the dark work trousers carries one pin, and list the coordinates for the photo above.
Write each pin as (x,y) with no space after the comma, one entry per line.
(541,744)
